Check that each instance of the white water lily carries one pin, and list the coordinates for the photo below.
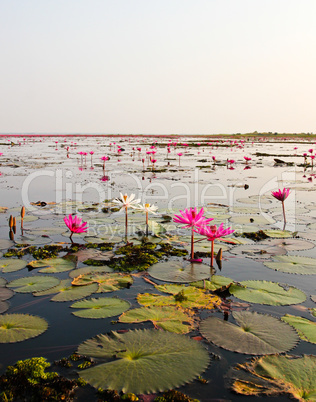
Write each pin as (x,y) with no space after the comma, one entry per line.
(125,201)
(148,208)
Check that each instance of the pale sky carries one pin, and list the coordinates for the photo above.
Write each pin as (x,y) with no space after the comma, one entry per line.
(157,66)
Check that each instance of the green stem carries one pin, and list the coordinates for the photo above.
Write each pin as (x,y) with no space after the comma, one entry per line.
(283,215)
(212,253)
(192,243)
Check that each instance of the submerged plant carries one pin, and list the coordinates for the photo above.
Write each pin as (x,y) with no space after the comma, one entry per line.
(282,195)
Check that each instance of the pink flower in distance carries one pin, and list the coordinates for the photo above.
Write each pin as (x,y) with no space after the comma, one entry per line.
(247,159)
(191,218)
(213,232)
(281,195)
(75,224)
(310,150)
(104,158)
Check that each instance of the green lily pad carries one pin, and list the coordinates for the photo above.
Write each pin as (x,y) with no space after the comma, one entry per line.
(53,265)
(173,271)
(270,293)
(293,264)
(102,307)
(182,296)
(255,334)
(19,327)
(3,281)
(305,328)
(215,282)
(4,306)
(12,264)
(89,270)
(252,219)
(34,283)
(256,199)
(279,234)
(313,297)
(274,375)
(143,361)
(168,318)
(107,282)
(66,292)
(93,254)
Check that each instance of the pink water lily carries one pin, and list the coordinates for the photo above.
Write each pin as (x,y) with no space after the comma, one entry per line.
(192,219)
(75,225)
(282,195)
(212,232)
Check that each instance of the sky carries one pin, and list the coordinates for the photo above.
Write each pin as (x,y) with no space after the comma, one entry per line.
(157,66)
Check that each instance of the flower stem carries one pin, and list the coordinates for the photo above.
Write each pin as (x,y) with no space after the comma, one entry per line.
(212,254)
(283,215)
(192,244)
(126,222)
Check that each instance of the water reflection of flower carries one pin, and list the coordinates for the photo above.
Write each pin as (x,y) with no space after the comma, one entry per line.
(104,178)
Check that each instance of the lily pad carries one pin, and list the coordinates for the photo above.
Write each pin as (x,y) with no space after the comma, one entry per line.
(255,334)
(66,292)
(5,293)
(293,264)
(305,328)
(215,282)
(274,375)
(270,293)
(12,264)
(53,265)
(258,251)
(279,234)
(252,219)
(173,271)
(102,307)
(168,318)
(89,270)
(5,244)
(3,282)
(19,327)
(107,282)
(4,306)
(34,283)
(143,361)
(289,244)
(93,254)
(182,296)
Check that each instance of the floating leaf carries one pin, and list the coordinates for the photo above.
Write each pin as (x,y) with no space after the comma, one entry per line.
(264,292)
(293,264)
(305,328)
(289,244)
(19,327)
(12,264)
(102,307)
(107,282)
(3,282)
(258,251)
(255,334)
(53,265)
(3,210)
(253,219)
(168,318)
(5,244)
(278,233)
(6,293)
(274,375)
(313,297)
(89,270)
(4,306)
(66,292)
(93,254)
(182,296)
(143,361)
(173,271)
(215,282)
(34,283)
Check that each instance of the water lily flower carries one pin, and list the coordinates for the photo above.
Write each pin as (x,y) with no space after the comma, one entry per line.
(179,154)
(75,225)
(147,208)
(247,159)
(282,195)
(125,202)
(212,233)
(192,219)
